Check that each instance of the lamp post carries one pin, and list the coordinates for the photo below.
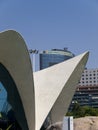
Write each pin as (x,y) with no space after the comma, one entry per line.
(34,52)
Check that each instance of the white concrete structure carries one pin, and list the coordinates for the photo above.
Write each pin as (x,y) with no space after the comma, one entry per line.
(54,88)
(50,91)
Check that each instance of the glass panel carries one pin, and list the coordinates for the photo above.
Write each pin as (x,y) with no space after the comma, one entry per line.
(3,96)
(11,108)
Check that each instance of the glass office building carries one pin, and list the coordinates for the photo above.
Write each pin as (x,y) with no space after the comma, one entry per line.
(54,56)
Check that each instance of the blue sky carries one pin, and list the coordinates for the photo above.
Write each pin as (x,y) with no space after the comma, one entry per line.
(47,24)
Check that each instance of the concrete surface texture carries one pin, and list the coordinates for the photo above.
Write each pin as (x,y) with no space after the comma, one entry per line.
(54,88)
(84,123)
(50,91)
(15,58)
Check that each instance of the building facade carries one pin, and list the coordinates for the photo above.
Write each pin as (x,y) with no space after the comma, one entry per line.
(54,56)
(89,77)
(87,91)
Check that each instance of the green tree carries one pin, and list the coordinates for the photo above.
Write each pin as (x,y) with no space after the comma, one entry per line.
(81,111)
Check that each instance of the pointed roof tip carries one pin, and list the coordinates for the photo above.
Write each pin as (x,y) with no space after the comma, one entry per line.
(79,57)
(82,56)
(85,54)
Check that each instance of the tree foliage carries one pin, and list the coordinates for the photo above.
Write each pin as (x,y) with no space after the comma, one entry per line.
(81,111)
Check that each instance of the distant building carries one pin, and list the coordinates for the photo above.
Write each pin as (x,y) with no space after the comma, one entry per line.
(54,56)
(87,90)
(89,77)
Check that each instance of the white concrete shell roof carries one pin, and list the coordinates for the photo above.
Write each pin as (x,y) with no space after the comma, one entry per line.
(54,88)
(15,58)
(50,91)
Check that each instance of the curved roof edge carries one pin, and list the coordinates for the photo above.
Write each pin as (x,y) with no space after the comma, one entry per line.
(14,56)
